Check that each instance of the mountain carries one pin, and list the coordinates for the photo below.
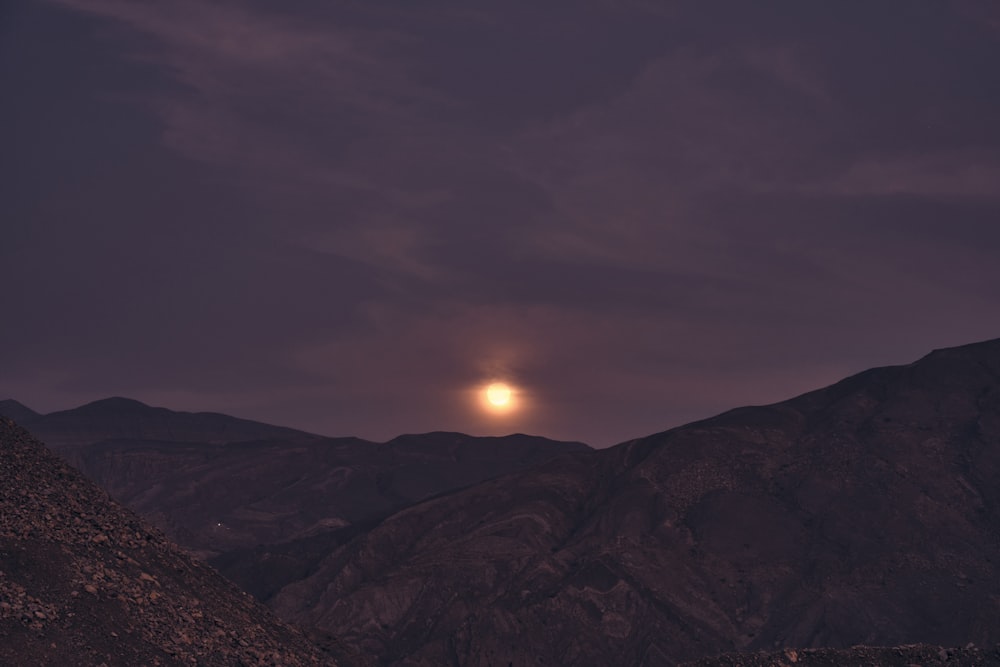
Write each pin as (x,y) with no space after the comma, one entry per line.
(19,412)
(124,418)
(215,483)
(867,512)
(84,581)
(216,498)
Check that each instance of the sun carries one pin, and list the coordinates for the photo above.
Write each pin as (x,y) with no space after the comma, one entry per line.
(498,394)
(498,398)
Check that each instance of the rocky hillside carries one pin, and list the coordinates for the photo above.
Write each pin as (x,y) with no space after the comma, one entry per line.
(864,513)
(860,656)
(83,582)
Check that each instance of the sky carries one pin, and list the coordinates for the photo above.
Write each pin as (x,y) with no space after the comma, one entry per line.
(349,216)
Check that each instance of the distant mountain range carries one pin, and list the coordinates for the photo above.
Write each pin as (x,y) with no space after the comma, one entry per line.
(126,419)
(865,513)
(215,483)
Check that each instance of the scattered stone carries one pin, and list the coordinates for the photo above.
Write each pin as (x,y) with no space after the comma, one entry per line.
(74,538)
(910,655)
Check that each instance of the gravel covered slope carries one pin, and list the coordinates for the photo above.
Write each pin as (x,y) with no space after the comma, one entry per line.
(83,581)
(911,655)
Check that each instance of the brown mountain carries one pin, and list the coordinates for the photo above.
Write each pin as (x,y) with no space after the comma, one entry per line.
(216,498)
(124,418)
(84,581)
(867,512)
(214,483)
(19,412)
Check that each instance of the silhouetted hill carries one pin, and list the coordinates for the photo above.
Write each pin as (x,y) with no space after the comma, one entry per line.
(215,483)
(867,512)
(19,412)
(123,418)
(84,582)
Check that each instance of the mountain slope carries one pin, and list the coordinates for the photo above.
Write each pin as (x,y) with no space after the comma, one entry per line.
(216,498)
(215,483)
(866,512)
(861,656)
(84,582)
(123,418)
(19,412)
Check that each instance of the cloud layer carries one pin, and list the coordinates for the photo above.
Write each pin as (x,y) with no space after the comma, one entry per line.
(344,216)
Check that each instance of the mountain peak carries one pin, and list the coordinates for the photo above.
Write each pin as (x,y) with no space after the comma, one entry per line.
(114,404)
(118,417)
(17,411)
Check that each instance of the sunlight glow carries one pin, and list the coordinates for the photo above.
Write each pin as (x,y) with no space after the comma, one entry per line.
(498,394)
(498,397)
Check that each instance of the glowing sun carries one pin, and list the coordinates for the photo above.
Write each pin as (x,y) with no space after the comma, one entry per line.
(498,394)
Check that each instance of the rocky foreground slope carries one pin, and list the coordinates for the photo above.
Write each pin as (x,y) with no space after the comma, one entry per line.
(864,513)
(910,655)
(84,582)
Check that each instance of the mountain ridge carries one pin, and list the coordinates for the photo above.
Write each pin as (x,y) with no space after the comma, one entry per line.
(863,512)
(215,498)
(227,484)
(125,418)
(16,410)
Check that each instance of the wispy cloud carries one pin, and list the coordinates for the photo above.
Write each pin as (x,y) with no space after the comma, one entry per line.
(941,174)
(393,199)
(261,89)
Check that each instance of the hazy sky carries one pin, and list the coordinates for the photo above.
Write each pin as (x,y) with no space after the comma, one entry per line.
(345,216)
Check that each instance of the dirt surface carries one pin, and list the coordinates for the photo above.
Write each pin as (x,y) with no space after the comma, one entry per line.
(913,655)
(84,581)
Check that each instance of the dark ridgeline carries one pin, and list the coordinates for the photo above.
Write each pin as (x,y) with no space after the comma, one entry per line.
(84,582)
(126,419)
(215,484)
(19,412)
(864,513)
